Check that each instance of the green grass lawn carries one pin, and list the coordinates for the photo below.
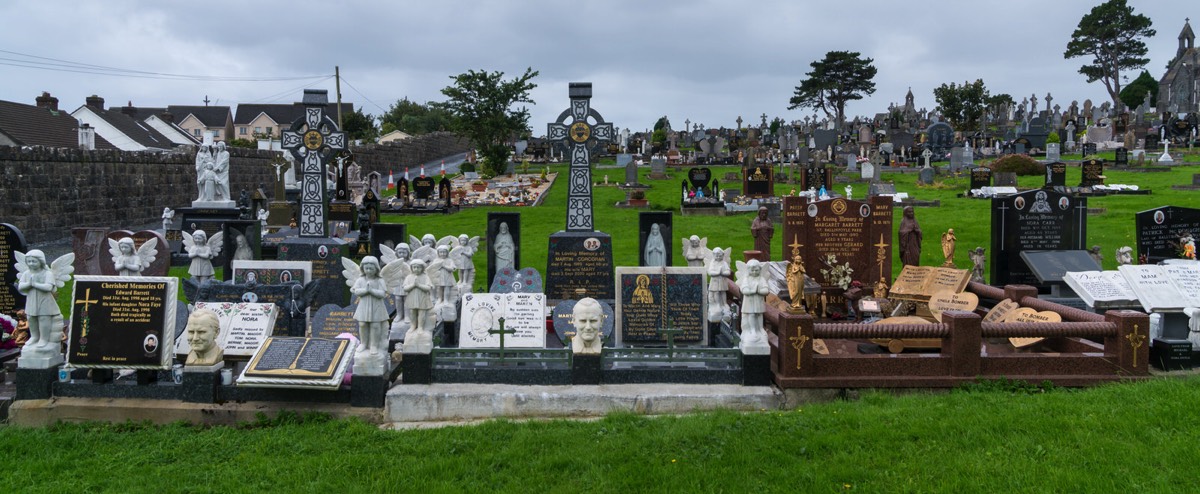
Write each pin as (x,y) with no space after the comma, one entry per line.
(1114,438)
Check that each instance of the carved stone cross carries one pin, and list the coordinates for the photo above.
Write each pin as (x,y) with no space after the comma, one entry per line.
(573,130)
(313,139)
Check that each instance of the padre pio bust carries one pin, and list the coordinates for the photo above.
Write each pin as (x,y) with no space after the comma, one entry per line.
(202,330)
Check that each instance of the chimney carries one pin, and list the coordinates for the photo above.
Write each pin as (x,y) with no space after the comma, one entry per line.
(166,117)
(129,109)
(47,101)
(95,102)
(87,137)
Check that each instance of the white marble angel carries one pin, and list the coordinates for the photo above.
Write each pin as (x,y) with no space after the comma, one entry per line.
(132,261)
(462,253)
(696,251)
(372,284)
(168,217)
(754,303)
(718,273)
(39,283)
(401,253)
(418,290)
(202,250)
(424,248)
(441,272)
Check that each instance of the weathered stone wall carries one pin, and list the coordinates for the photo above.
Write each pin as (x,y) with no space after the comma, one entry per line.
(47,191)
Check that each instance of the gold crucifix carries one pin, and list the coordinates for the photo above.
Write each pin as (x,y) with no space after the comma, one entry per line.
(87,304)
(1136,341)
(881,254)
(798,343)
(795,243)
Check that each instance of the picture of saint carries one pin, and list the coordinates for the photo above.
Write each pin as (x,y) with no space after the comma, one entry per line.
(642,294)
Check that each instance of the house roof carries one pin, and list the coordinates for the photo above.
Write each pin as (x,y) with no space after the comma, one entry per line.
(282,114)
(136,130)
(210,116)
(30,125)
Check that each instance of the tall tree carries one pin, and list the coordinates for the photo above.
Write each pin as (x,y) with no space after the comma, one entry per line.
(840,77)
(416,118)
(1112,35)
(1134,92)
(962,105)
(482,106)
(359,125)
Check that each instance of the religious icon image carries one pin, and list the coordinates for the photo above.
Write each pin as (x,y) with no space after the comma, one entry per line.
(642,294)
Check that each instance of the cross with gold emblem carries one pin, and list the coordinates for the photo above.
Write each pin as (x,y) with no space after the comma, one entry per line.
(1136,340)
(881,254)
(313,140)
(87,304)
(798,343)
(573,131)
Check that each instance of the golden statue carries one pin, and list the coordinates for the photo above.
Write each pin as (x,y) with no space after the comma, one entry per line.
(795,280)
(948,241)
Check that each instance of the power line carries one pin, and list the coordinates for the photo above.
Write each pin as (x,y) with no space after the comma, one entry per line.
(60,65)
(284,93)
(363,95)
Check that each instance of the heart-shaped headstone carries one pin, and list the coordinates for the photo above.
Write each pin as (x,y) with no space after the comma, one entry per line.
(1025,314)
(1000,311)
(947,300)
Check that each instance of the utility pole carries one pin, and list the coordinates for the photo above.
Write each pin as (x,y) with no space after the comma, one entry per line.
(337,76)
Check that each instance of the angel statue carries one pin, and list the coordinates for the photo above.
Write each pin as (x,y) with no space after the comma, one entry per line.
(696,251)
(441,272)
(39,283)
(424,248)
(131,261)
(718,285)
(462,255)
(400,253)
(418,298)
(202,250)
(371,284)
(754,303)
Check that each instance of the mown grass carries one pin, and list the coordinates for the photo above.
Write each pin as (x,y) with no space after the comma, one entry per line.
(993,438)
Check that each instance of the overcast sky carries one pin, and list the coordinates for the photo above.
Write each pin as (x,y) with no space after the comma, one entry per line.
(704,61)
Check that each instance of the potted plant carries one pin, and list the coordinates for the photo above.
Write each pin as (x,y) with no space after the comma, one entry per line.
(479,185)
(637,198)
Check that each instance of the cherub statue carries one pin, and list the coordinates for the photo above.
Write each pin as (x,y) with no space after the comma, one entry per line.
(400,253)
(718,285)
(130,261)
(202,250)
(418,298)
(696,251)
(424,248)
(39,283)
(462,255)
(371,284)
(1125,255)
(262,219)
(168,217)
(754,303)
(978,258)
(441,272)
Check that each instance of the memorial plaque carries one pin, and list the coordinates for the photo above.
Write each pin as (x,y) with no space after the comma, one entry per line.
(524,313)
(1159,231)
(1005,179)
(298,358)
(243,242)
(921,282)
(509,280)
(858,233)
(1122,158)
(646,220)
(331,320)
(271,272)
(423,187)
(290,298)
(1102,289)
(1052,266)
(1056,175)
(758,181)
(326,258)
(389,234)
(1092,173)
(1034,220)
(947,300)
(564,328)
(244,327)
(510,257)
(11,240)
(981,177)
(815,177)
(122,323)
(342,211)
(1000,311)
(651,299)
(579,264)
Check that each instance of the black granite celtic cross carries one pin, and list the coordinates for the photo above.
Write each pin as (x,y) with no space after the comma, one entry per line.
(313,140)
(574,131)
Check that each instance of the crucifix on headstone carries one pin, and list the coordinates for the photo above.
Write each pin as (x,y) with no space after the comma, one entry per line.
(573,131)
(312,140)
(281,165)
(798,343)
(670,333)
(927,154)
(501,332)
(342,187)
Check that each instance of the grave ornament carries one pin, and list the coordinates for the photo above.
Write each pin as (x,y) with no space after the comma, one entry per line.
(718,284)
(910,239)
(696,251)
(418,299)
(656,250)
(462,255)
(948,243)
(202,250)
(132,261)
(587,318)
(762,230)
(754,302)
(39,282)
(203,327)
(371,285)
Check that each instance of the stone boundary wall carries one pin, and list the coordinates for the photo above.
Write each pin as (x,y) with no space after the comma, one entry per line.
(47,191)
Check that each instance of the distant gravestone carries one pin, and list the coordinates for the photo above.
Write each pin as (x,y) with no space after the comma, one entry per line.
(698,178)
(758,181)
(882,189)
(1056,174)
(1034,220)
(1005,179)
(651,299)
(925,176)
(1122,157)
(981,177)
(941,137)
(958,158)
(868,171)
(1088,149)
(122,323)
(658,167)
(524,280)
(631,173)
(823,138)
(1092,173)
(1158,231)
(816,177)
(564,328)
(1052,152)
(11,240)
(624,159)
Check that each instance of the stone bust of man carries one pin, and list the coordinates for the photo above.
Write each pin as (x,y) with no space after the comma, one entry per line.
(202,330)
(587,318)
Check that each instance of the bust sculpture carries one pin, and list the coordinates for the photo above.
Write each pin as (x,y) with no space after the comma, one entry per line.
(202,330)
(587,319)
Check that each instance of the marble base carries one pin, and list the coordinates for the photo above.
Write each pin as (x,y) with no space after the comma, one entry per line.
(446,312)
(370,364)
(39,360)
(200,383)
(756,370)
(418,342)
(754,346)
(399,329)
(214,204)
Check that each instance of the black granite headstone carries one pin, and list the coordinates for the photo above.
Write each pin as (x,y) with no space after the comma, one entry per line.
(1004,179)
(389,234)
(511,222)
(293,300)
(815,177)
(444,192)
(1034,220)
(579,264)
(646,220)
(326,257)
(1056,175)
(758,181)
(941,138)
(403,192)
(652,300)
(524,280)
(1159,230)
(1122,158)
(1092,173)
(330,321)
(423,187)
(981,177)
(11,240)
(125,323)
(699,178)
(1088,149)
(242,238)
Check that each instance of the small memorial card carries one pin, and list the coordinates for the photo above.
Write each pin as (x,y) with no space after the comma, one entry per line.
(122,323)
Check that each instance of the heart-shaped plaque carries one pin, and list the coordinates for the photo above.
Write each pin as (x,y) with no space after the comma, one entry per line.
(947,300)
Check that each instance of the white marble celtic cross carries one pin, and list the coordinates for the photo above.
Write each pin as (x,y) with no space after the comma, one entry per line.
(313,140)
(574,131)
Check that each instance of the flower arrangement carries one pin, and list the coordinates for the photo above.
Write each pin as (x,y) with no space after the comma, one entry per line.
(836,274)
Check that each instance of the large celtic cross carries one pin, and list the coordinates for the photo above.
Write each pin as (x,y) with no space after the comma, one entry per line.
(313,140)
(574,131)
